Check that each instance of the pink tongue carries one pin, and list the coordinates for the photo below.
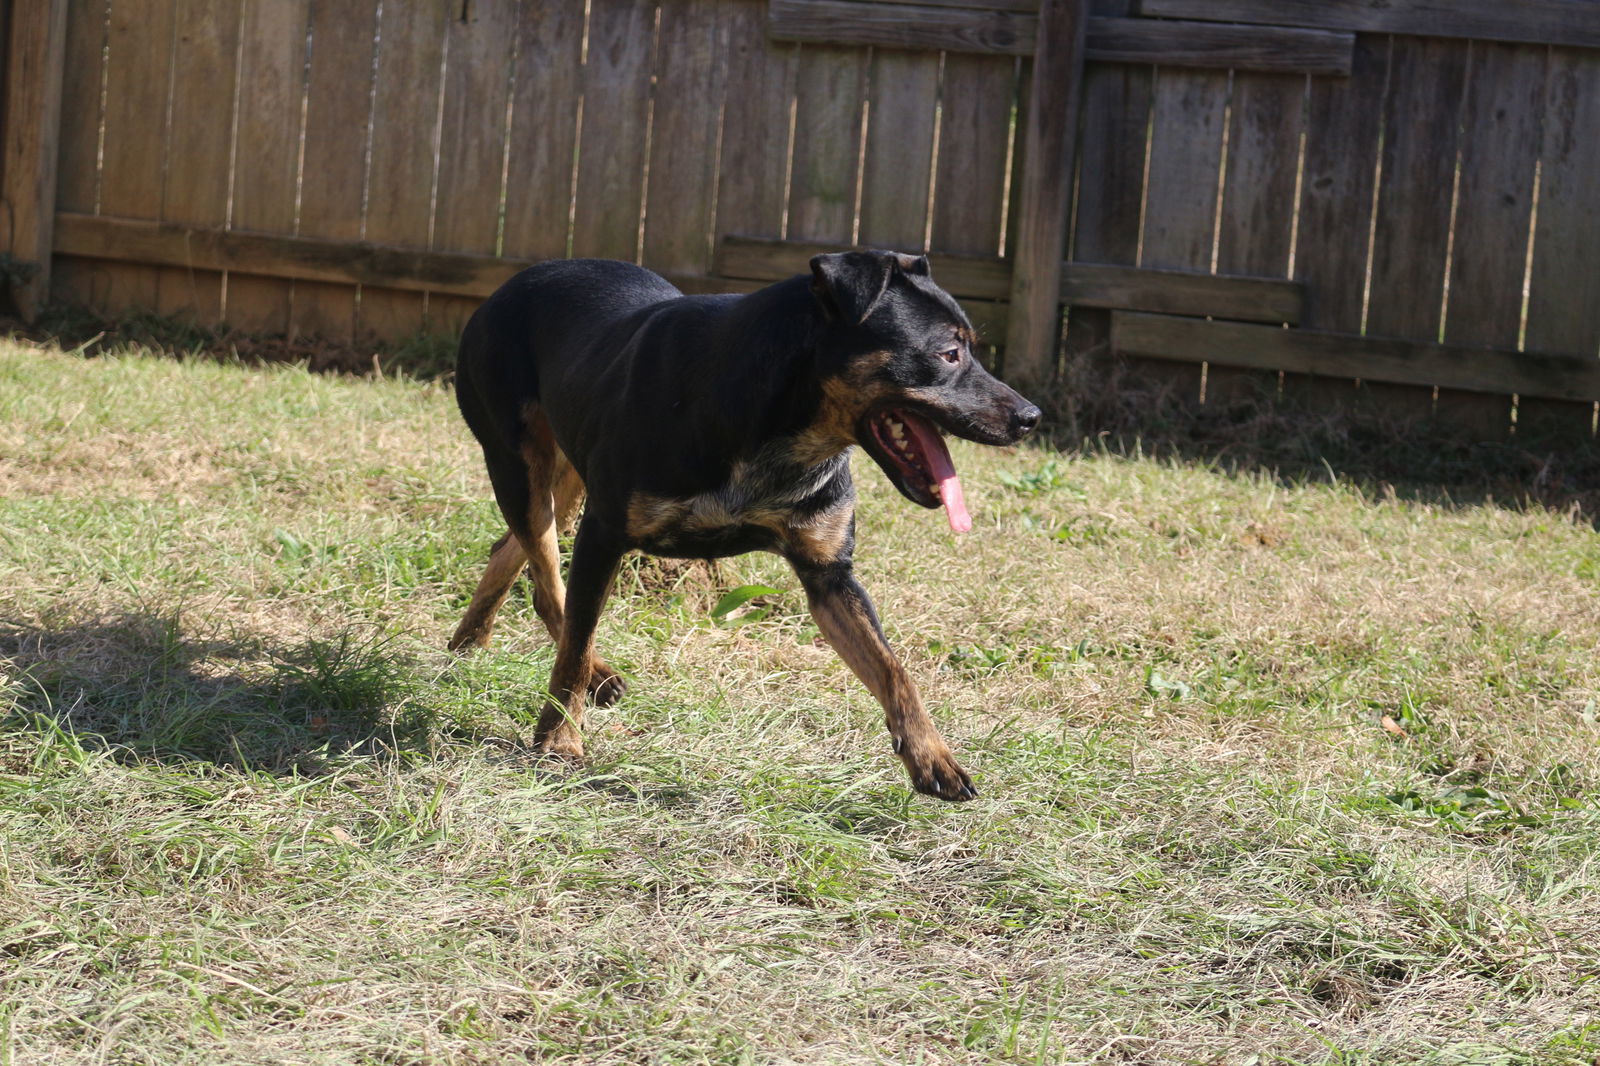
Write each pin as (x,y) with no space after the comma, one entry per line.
(944,471)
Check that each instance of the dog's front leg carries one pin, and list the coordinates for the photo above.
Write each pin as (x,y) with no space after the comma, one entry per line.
(844,614)
(595,555)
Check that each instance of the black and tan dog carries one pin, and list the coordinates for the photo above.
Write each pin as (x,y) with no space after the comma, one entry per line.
(705,426)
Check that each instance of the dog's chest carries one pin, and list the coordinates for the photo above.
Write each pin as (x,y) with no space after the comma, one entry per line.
(754,509)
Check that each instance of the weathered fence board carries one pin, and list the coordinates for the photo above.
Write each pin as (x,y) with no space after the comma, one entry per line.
(1532,21)
(338,103)
(1187,113)
(1343,355)
(1255,226)
(544,129)
(1033,333)
(472,136)
(138,71)
(827,142)
(33,64)
(1500,134)
(1084,284)
(1411,229)
(897,159)
(613,134)
(271,92)
(1116,40)
(401,167)
(684,136)
(1112,148)
(974,141)
(1340,171)
(77,165)
(1563,286)
(199,149)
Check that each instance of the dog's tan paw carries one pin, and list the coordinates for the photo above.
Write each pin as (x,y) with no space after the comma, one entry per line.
(560,743)
(606,686)
(935,772)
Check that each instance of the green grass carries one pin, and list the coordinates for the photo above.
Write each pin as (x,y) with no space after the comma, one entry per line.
(252,812)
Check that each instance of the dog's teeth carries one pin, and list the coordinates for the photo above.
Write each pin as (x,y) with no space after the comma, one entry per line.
(897,431)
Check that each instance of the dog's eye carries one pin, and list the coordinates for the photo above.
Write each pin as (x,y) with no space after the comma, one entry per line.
(951,355)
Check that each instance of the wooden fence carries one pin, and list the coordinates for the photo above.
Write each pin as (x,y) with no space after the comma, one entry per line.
(1237,198)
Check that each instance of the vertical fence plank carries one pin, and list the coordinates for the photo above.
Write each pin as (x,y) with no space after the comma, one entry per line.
(266,170)
(970,174)
(78,162)
(1256,226)
(1341,165)
(1564,288)
(1115,121)
(472,144)
(1420,117)
(404,127)
(827,141)
(198,149)
(1336,202)
(1050,129)
(139,60)
(338,108)
(901,100)
(755,127)
(611,146)
(1186,123)
(544,129)
(976,99)
(684,132)
(83,66)
(1116,118)
(32,129)
(1500,144)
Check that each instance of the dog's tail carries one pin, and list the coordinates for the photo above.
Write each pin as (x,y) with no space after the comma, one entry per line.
(489,373)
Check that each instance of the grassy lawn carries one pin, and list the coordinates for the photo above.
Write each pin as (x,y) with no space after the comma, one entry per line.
(1273,771)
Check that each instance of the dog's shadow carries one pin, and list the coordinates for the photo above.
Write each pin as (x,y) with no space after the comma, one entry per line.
(139,686)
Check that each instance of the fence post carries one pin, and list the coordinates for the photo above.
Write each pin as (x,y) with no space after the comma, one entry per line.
(1046,195)
(32,127)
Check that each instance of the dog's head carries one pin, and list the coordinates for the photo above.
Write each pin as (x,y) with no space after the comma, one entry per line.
(901,370)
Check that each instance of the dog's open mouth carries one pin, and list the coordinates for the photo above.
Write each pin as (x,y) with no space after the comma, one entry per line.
(912,452)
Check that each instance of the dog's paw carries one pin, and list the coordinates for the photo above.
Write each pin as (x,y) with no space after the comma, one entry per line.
(935,772)
(561,744)
(606,686)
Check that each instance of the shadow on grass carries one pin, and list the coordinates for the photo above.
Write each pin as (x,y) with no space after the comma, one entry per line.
(136,685)
(1383,440)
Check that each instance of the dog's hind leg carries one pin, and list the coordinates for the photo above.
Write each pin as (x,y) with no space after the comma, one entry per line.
(536,491)
(506,561)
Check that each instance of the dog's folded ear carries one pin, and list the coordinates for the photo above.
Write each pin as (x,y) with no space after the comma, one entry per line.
(916,264)
(849,285)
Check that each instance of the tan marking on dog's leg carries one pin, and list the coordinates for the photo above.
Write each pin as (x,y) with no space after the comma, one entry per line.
(594,568)
(560,730)
(506,561)
(554,484)
(842,613)
(569,491)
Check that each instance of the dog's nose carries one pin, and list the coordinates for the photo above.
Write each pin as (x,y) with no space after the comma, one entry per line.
(1024,421)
